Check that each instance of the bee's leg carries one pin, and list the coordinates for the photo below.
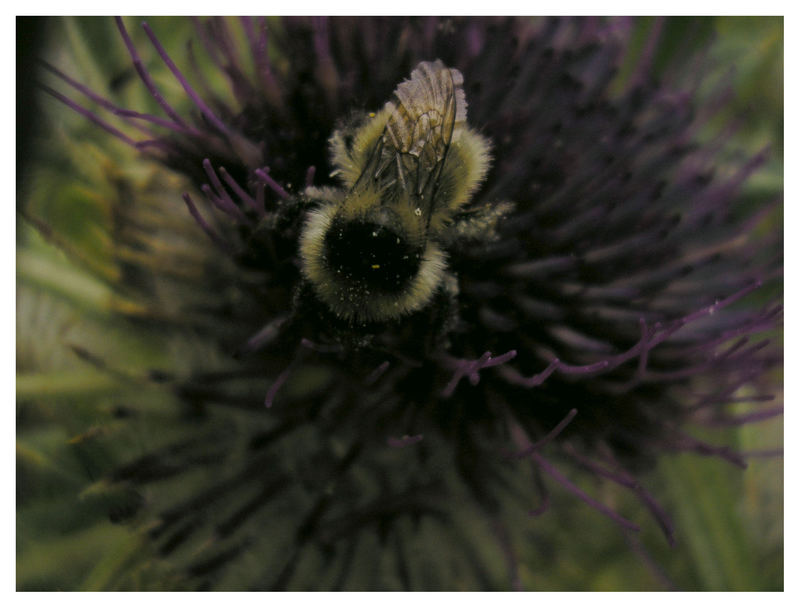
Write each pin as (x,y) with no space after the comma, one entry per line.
(477,225)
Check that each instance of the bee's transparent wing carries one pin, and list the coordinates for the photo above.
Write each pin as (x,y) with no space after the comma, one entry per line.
(424,113)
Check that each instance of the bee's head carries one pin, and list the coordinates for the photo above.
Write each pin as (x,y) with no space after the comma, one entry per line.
(369,260)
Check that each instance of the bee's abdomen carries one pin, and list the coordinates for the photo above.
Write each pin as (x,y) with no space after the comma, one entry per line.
(370,256)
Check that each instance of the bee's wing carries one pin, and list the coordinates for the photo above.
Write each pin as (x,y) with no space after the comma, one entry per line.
(423,114)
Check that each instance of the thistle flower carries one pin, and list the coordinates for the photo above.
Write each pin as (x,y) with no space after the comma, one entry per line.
(599,303)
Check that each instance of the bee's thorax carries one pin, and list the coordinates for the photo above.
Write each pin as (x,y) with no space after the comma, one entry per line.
(371,254)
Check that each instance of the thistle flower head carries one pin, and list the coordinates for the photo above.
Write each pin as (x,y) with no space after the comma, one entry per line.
(589,300)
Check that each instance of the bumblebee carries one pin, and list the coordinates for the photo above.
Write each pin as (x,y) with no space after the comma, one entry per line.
(374,250)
